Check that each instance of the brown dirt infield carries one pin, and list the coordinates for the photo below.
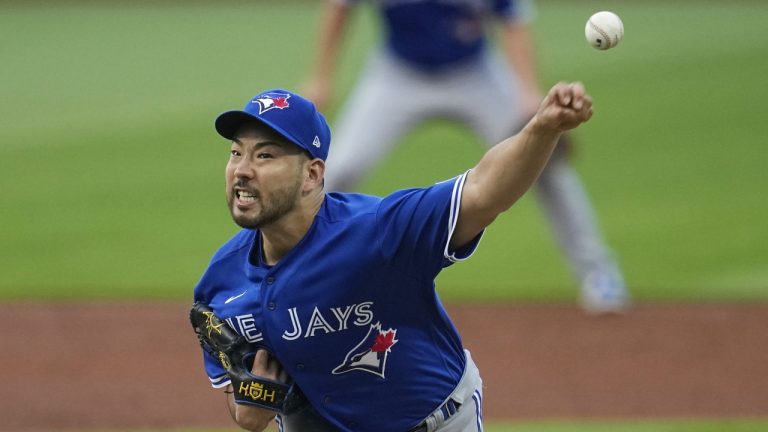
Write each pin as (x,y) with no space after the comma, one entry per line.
(136,365)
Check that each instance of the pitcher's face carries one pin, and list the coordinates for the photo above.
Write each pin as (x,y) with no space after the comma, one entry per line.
(263,176)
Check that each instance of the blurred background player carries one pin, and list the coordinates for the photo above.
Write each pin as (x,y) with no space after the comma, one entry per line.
(436,62)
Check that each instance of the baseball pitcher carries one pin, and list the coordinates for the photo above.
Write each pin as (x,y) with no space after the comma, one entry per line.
(322,312)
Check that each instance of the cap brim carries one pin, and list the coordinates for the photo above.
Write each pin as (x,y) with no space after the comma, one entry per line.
(228,122)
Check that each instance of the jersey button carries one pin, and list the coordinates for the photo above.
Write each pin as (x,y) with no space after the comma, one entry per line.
(300,366)
(327,400)
(270,280)
(271,306)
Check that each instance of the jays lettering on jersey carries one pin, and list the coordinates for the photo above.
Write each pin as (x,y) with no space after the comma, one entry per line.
(351,311)
(431,34)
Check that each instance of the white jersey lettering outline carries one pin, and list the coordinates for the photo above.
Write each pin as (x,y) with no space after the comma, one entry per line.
(317,322)
(364,314)
(342,316)
(246,326)
(296,333)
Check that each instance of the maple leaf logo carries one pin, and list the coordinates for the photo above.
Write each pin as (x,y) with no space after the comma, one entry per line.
(384,341)
(280,102)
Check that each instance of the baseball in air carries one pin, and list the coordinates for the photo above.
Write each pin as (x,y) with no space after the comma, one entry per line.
(604,30)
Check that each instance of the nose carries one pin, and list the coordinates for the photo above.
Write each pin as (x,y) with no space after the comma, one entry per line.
(243,169)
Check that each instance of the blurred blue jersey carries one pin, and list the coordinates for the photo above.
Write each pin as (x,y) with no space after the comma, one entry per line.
(431,34)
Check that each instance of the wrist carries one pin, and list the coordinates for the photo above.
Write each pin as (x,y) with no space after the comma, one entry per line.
(541,129)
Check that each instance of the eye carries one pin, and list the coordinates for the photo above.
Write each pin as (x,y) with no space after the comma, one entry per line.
(264,155)
(234,153)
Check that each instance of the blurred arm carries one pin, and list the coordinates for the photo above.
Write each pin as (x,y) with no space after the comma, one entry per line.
(518,47)
(319,86)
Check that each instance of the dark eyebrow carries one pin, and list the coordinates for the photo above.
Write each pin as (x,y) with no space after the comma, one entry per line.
(261,144)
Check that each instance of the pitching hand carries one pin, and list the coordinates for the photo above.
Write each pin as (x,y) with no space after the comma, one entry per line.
(565,107)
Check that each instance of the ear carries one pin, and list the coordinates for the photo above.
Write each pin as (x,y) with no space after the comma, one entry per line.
(314,174)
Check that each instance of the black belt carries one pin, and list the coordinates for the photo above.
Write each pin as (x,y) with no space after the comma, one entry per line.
(449,408)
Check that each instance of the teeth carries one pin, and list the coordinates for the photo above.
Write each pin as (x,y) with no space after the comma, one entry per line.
(247,196)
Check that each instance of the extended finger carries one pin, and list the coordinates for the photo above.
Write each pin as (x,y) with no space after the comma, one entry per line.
(260,361)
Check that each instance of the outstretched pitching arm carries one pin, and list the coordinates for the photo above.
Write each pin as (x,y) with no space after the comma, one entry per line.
(508,169)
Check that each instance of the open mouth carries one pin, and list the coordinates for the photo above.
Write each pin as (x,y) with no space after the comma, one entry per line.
(245,198)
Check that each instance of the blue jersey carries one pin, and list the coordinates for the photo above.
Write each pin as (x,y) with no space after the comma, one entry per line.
(351,311)
(431,34)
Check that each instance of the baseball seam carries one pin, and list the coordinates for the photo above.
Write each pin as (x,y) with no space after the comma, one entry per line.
(602,33)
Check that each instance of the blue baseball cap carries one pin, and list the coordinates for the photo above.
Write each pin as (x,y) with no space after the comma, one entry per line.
(288,114)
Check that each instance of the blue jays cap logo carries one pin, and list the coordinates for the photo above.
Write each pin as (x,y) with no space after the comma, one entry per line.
(268,101)
(370,355)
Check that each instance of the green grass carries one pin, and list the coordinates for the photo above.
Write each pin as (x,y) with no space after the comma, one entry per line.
(111,175)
